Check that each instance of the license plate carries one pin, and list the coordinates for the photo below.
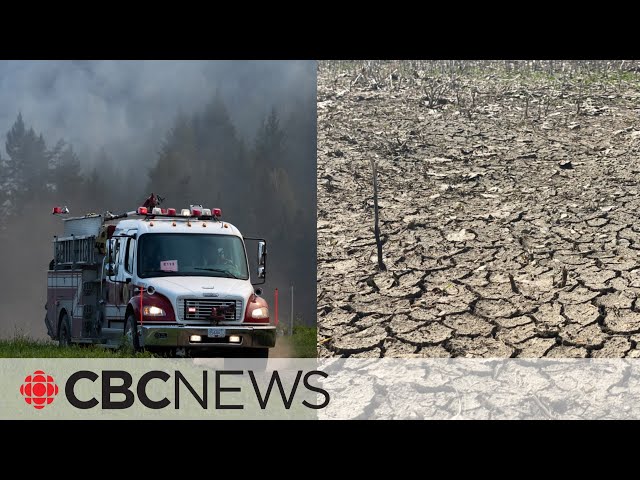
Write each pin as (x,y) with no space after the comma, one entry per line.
(216,332)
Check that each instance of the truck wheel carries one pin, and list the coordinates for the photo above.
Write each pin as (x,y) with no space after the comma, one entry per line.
(64,332)
(131,339)
(48,325)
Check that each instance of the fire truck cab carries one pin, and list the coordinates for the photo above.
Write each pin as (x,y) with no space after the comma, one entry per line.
(158,279)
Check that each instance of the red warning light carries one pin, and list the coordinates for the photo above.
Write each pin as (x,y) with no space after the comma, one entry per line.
(59,210)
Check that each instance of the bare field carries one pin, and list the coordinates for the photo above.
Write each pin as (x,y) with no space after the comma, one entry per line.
(509,203)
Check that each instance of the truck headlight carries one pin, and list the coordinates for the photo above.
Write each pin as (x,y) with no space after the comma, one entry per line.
(262,312)
(153,311)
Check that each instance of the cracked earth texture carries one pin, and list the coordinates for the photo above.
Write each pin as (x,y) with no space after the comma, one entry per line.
(506,234)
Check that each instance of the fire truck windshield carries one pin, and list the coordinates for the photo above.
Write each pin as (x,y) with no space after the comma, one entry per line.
(176,254)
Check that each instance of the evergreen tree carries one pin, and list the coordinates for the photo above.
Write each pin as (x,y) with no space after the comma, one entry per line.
(3,195)
(27,168)
(202,160)
(219,159)
(101,186)
(273,185)
(67,177)
(12,166)
(95,192)
(270,142)
(176,170)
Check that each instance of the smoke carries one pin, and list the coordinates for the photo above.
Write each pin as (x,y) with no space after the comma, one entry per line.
(125,108)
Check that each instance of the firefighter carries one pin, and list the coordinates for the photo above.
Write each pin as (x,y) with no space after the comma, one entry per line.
(153,201)
(221,259)
(216,259)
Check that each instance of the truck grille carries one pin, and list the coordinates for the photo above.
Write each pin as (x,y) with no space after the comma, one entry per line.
(204,307)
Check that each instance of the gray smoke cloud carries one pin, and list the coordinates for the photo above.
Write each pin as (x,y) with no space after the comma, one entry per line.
(127,106)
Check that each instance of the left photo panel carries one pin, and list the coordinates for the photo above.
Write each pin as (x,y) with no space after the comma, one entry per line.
(158,208)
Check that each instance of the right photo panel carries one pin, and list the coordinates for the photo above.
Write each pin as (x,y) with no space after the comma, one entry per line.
(478,209)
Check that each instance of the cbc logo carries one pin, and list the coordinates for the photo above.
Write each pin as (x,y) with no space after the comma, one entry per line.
(39,389)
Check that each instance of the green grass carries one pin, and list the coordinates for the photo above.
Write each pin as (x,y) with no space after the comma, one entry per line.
(304,342)
(24,347)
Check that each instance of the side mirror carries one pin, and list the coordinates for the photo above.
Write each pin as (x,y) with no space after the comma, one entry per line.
(109,266)
(112,255)
(262,259)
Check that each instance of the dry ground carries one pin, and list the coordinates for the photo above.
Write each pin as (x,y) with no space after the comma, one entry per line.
(509,208)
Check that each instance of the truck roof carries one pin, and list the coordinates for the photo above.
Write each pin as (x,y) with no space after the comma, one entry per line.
(177,225)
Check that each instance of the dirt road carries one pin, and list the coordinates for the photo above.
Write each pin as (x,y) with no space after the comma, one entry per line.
(509,216)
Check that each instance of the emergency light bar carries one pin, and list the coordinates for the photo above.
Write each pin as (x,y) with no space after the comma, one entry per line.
(195,211)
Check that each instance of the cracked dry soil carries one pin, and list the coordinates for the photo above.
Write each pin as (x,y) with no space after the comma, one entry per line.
(495,245)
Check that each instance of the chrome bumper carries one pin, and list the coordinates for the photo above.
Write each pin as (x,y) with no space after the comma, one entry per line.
(180,336)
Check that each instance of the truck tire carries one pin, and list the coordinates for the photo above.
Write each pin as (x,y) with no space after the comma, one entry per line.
(131,339)
(48,325)
(64,331)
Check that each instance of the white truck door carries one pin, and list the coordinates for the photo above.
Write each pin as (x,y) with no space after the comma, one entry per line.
(128,259)
(119,267)
(112,270)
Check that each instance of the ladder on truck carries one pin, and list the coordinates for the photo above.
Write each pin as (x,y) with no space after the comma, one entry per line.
(77,245)
(71,251)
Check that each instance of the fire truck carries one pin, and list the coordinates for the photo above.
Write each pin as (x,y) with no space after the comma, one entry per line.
(158,279)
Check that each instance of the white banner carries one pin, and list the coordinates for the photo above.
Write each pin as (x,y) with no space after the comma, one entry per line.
(340,388)
(203,389)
